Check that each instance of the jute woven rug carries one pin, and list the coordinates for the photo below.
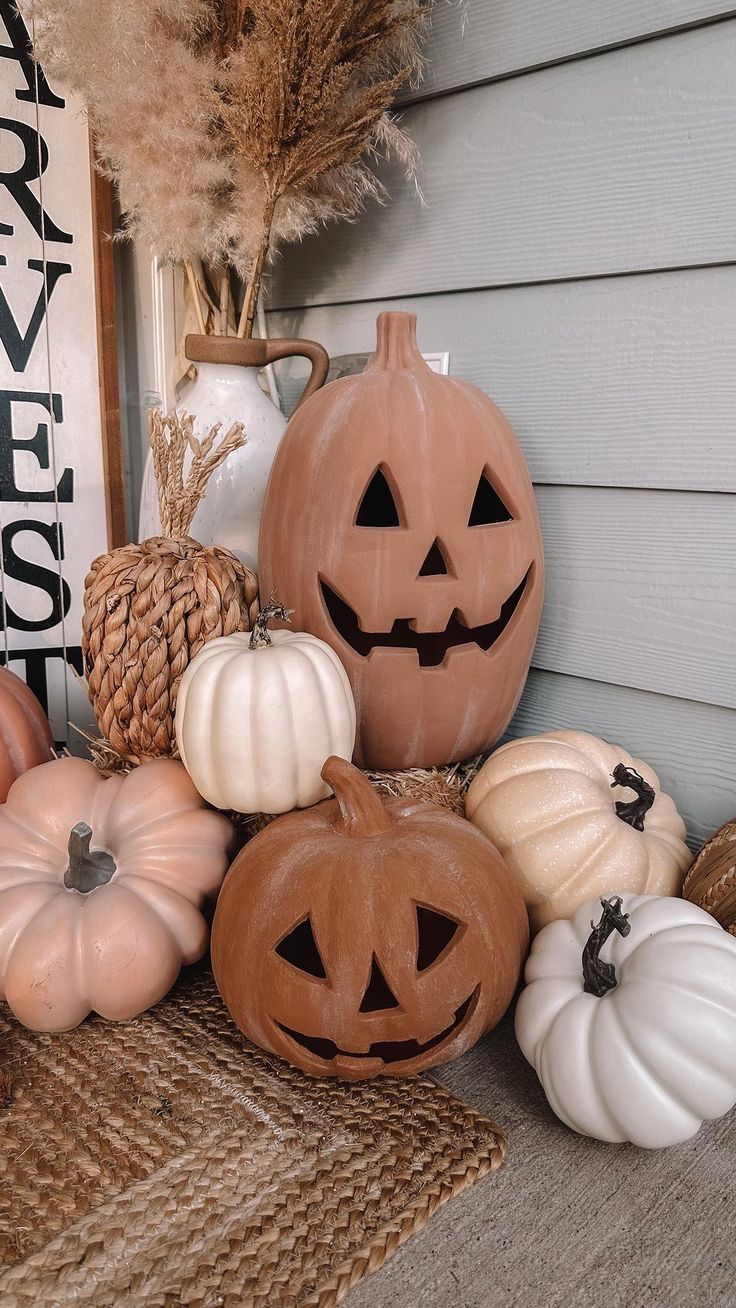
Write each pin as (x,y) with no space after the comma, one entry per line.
(166,1161)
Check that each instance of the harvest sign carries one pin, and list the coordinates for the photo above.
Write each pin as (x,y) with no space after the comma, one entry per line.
(59,454)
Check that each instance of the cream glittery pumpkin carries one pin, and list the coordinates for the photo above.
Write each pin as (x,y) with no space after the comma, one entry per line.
(576,817)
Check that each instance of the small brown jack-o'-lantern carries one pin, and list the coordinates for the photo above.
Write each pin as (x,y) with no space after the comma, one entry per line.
(400,520)
(363,937)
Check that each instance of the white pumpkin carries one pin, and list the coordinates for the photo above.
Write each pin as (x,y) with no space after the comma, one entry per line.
(552,806)
(257,715)
(652,1053)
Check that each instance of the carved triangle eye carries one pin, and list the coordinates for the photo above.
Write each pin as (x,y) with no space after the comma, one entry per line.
(299,948)
(488,507)
(378,507)
(435,931)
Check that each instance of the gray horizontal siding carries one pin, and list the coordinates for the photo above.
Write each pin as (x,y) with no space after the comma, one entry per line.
(623,382)
(602,166)
(640,589)
(476,40)
(621,388)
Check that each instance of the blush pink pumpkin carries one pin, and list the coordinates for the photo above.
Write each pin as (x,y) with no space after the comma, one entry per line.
(102,883)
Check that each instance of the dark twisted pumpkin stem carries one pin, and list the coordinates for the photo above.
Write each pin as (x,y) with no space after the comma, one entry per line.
(260,637)
(600,977)
(362,813)
(87,870)
(633,811)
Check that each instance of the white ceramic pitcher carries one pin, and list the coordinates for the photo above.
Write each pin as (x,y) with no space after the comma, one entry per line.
(227,391)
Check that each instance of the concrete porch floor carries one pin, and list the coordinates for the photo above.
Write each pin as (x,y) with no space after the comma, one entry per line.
(569,1222)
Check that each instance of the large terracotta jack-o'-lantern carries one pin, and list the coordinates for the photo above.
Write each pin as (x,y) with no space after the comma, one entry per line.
(364,937)
(400,520)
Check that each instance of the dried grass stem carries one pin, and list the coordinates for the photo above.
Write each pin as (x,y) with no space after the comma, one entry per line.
(172,438)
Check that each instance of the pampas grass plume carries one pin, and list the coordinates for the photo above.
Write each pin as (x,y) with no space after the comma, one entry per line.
(231,126)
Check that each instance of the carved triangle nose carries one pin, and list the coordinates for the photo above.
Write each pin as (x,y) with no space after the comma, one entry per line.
(435,564)
(378,994)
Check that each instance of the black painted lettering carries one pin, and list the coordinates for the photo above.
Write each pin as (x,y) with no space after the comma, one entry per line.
(33,574)
(37,88)
(35,666)
(38,445)
(34,165)
(18,347)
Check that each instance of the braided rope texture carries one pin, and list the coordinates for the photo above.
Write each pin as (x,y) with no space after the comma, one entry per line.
(148,609)
(166,1161)
(711,881)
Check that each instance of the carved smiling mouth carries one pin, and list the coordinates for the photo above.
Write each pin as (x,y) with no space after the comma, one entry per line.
(389,1051)
(430,646)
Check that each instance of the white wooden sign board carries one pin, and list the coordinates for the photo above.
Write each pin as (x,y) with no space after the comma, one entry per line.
(54,500)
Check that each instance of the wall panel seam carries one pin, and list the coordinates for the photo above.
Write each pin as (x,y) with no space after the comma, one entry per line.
(639,690)
(632,685)
(577,56)
(504,286)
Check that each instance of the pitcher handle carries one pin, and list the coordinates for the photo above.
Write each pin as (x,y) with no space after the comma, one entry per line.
(256,352)
(316,353)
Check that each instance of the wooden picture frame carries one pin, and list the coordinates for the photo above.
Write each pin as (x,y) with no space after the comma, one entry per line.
(62,493)
(112,447)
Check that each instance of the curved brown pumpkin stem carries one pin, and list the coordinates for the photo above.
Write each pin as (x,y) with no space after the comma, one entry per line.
(396,342)
(361,809)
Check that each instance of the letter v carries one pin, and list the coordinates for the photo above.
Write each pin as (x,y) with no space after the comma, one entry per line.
(18,348)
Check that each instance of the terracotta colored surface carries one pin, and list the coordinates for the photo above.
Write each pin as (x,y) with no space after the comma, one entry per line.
(105,930)
(711,881)
(257,353)
(364,937)
(434,619)
(25,734)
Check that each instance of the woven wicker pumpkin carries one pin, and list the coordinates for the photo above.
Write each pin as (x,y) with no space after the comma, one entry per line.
(711,881)
(149,608)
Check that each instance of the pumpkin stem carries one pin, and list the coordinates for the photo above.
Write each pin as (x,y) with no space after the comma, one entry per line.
(86,870)
(600,977)
(259,636)
(635,810)
(362,813)
(396,343)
